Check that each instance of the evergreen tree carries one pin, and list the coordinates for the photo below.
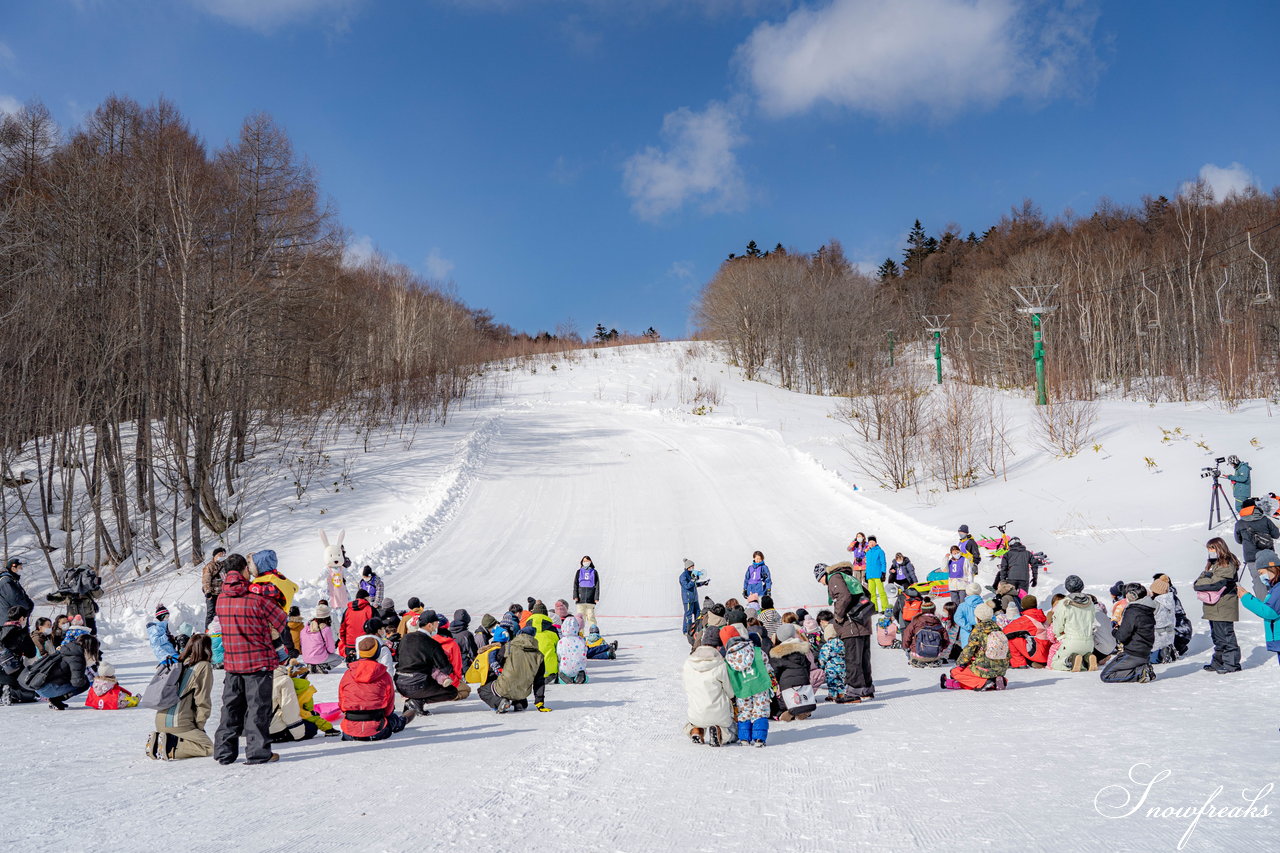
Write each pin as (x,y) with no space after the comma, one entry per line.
(602,334)
(753,251)
(889,269)
(919,246)
(651,333)
(972,239)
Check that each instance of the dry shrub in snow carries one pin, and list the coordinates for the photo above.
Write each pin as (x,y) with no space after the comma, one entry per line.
(1064,427)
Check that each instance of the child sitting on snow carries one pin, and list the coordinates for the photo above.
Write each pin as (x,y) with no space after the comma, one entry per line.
(752,690)
(106,694)
(572,651)
(319,651)
(925,639)
(597,648)
(887,631)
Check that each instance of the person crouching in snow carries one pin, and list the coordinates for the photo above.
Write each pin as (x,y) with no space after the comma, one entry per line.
(1028,636)
(159,637)
(425,672)
(1137,635)
(710,694)
(597,648)
(790,659)
(287,722)
(1073,625)
(925,640)
(368,698)
(572,652)
(106,694)
(180,730)
(523,670)
(985,660)
(752,690)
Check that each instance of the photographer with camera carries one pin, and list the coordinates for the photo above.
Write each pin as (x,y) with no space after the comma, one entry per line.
(1241,483)
(1255,532)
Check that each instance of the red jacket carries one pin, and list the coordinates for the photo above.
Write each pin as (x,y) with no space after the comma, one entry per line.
(352,628)
(451,649)
(247,622)
(1022,626)
(365,692)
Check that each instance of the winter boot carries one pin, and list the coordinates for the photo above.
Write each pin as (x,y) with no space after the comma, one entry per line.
(1148,674)
(409,715)
(786,717)
(151,746)
(4,696)
(581,677)
(169,752)
(1091,661)
(1075,662)
(1001,683)
(695,735)
(744,733)
(56,703)
(504,705)
(713,735)
(757,743)
(951,684)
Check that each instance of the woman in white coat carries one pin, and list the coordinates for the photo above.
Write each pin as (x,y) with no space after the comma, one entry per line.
(706,684)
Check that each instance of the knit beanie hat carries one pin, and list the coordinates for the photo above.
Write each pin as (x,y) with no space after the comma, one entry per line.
(801,614)
(711,637)
(487,621)
(1029,601)
(786,631)
(388,603)
(820,572)
(1117,589)
(323,611)
(1160,585)
(106,670)
(983,612)
(737,616)
(928,606)
(964,528)
(539,607)
(974,588)
(810,625)
(688,564)
(728,634)
(162,612)
(530,630)
(367,647)
(1074,584)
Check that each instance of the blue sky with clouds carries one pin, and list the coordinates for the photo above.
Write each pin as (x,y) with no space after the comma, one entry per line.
(595,160)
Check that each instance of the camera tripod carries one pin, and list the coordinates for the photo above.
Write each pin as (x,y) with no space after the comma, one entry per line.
(1217,494)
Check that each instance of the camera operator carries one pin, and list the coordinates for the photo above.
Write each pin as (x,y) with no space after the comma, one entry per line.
(1252,532)
(1240,480)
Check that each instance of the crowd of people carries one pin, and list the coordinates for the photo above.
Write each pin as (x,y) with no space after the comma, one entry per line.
(751,664)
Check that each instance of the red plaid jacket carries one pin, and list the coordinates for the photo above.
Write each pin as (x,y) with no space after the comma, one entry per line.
(247,621)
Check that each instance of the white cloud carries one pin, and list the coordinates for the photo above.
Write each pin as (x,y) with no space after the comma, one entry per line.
(1224,181)
(266,16)
(437,265)
(681,269)
(698,163)
(7,57)
(358,251)
(939,56)
(9,104)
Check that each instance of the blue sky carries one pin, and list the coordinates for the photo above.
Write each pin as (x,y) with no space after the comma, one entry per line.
(595,160)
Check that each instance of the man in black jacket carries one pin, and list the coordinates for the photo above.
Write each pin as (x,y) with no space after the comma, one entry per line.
(423,671)
(11,592)
(1137,635)
(1254,523)
(1018,567)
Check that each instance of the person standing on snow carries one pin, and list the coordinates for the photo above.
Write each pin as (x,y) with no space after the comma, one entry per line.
(11,592)
(970,547)
(372,584)
(1253,530)
(1216,588)
(757,580)
(689,584)
(876,570)
(1018,566)
(586,590)
(211,584)
(1241,483)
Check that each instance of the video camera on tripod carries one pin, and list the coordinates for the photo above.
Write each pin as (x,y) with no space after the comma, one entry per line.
(1216,471)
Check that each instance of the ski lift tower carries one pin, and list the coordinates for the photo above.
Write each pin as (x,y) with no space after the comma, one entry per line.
(1035,301)
(933,323)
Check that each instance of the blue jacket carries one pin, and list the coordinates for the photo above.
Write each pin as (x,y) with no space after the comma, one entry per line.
(161,643)
(1269,610)
(766,583)
(875,562)
(965,620)
(689,587)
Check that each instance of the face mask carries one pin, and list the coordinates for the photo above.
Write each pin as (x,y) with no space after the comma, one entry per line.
(47,630)
(1212,556)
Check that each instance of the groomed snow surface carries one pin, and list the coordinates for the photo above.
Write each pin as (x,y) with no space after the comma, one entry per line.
(603,456)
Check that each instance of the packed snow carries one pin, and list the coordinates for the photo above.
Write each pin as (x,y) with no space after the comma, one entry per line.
(601,453)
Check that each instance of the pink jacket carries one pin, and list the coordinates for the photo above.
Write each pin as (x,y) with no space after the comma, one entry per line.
(317,646)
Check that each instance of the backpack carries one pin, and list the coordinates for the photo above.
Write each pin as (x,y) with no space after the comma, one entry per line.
(997,646)
(1261,540)
(163,691)
(79,580)
(38,674)
(911,609)
(10,663)
(587,577)
(928,642)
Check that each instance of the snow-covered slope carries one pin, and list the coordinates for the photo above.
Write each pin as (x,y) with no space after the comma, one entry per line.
(603,455)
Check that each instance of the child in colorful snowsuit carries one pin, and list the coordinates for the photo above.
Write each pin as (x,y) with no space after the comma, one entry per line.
(106,694)
(597,648)
(572,652)
(752,690)
(985,660)
(159,638)
(831,660)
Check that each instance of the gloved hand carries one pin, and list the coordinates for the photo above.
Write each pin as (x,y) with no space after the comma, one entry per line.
(1034,582)
(543,708)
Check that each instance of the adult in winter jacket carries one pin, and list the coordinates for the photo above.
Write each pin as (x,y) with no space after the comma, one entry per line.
(267,572)
(1218,580)
(521,670)
(249,623)
(424,673)
(969,547)
(985,658)
(689,583)
(159,637)
(211,583)
(11,592)
(1268,608)
(925,638)
(586,590)
(460,630)
(1254,528)
(709,717)
(965,620)
(70,674)
(902,572)
(1017,566)
(78,587)
(371,583)
(1028,637)
(16,645)
(757,581)
(1240,480)
(877,568)
(853,612)
(1136,636)
(368,698)
(179,730)
(1073,625)
(790,659)
(352,628)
